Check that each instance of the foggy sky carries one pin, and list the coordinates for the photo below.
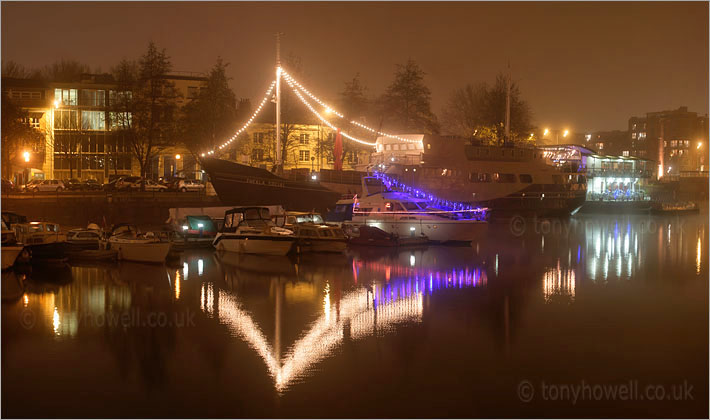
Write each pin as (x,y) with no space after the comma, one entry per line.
(582,66)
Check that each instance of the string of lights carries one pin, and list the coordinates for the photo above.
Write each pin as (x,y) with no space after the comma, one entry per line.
(449,206)
(321,118)
(330,109)
(249,121)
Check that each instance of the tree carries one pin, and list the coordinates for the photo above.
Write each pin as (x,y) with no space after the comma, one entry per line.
(64,70)
(15,70)
(407,101)
(17,135)
(211,118)
(144,107)
(478,111)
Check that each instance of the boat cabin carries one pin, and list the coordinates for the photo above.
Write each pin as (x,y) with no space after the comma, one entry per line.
(257,217)
(38,233)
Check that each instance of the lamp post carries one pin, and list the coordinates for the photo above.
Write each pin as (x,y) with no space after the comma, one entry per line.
(547,131)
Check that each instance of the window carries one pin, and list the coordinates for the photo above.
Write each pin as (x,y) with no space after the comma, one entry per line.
(93,120)
(117,98)
(674,143)
(92,97)
(526,178)
(303,139)
(642,135)
(304,155)
(25,95)
(258,138)
(257,154)
(633,127)
(479,177)
(504,178)
(65,119)
(600,146)
(65,97)
(633,135)
(33,120)
(625,153)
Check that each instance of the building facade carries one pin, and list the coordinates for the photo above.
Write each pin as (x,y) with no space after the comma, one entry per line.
(677,140)
(609,142)
(82,139)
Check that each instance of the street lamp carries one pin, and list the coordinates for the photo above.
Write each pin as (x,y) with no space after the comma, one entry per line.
(700,144)
(56,104)
(26,156)
(565,133)
(177,157)
(546,132)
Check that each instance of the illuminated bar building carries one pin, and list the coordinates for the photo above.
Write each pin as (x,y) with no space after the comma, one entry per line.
(617,178)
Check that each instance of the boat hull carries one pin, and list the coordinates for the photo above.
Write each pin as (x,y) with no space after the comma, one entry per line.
(436,230)
(617,207)
(152,252)
(321,245)
(9,255)
(242,185)
(249,244)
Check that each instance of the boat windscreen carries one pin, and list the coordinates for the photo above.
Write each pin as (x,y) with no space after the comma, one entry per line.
(412,206)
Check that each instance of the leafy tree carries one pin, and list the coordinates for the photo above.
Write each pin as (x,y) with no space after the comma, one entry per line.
(144,106)
(210,118)
(478,111)
(406,103)
(16,135)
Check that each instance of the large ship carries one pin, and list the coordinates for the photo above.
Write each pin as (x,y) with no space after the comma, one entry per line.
(509,180)
(241,185)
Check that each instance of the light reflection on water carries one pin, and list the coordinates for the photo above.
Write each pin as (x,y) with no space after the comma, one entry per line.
(299,314)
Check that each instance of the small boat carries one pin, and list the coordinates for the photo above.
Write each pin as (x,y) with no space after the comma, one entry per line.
(372,236)
(11,249)
(44,240)
(84,238)
(134,246)
(313,235)
(675,209)
(343,211)
(250,230)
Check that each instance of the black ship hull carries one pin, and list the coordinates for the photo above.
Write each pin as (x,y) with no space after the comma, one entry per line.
(617,207)
(241,185)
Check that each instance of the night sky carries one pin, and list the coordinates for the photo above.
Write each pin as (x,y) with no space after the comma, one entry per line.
(586,66)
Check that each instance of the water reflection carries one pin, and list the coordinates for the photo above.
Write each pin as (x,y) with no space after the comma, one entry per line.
(381,293)
(286,323)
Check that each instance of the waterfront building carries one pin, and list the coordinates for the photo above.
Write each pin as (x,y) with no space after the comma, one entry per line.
(81,138)
(677,140)
(618,178)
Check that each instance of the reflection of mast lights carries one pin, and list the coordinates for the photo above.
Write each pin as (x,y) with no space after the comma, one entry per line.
(698,254)
(558,282)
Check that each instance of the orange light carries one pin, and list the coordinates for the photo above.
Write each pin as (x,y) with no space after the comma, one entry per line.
(26,156)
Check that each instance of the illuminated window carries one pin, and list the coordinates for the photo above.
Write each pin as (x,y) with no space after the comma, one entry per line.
(303,139)
(625,153)
(642,135)
(93,120)
(120,120)
(633,127)
(67,97)
(304,155)
(633,135)
(65,119)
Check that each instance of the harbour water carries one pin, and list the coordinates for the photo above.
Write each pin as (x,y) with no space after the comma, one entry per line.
(500,328)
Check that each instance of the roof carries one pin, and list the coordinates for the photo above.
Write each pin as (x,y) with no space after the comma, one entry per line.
(612,157)
(12,82)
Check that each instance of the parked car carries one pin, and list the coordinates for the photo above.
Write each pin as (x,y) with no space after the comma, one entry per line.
(128,183)
(112,184)
(31,185)
(151,185)
(185,185)
(73,184)
(7,186)
(92,185)
(49,185)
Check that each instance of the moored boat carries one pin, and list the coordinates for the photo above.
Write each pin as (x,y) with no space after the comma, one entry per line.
(250,230)
(11,249)
(134,246)
(44,240)
(406,215)
(313,235)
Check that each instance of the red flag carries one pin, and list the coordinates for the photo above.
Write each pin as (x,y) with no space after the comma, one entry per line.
(337,152)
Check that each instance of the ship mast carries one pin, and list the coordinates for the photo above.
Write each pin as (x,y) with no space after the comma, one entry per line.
(279,158)
(507,105)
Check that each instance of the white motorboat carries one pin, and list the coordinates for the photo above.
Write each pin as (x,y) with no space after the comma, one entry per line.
(250,230)
(133,246)
(313,234)
(405,215)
